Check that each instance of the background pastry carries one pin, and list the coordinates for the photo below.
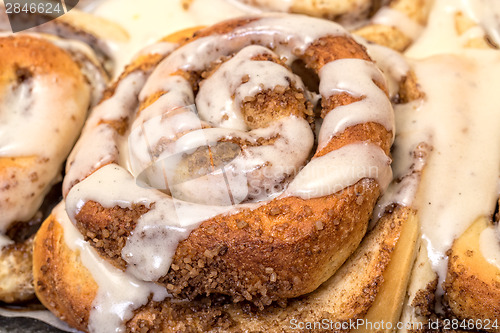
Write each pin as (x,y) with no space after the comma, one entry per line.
(48,85)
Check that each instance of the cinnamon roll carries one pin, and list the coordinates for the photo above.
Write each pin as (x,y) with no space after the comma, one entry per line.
(47,87)
(200,173)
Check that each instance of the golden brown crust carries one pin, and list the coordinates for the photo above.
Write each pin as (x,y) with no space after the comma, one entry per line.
(388,304)
(270,105)
(409,89)
(20,61)
(62,283)
(472,284)
(66,287)
(367,132)
(285,232)
(417,10)
(385,35)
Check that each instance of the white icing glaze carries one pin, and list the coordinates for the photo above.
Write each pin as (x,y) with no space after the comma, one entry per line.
(152,127)
(161,48)
(198,54)
(24,108)
(119,294)
(274,31)
(415,121)
(459,117)
(357,77)
(403,189)
(489,244)
(341,168)
(273,162)
(455,187)
(394,18)
(263,166)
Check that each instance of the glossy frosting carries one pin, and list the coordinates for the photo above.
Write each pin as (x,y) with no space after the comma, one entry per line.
(459,118)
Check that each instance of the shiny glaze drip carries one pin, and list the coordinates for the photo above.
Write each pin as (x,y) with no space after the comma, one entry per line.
(358,78)
(119,294)
(459,117)
(341,168)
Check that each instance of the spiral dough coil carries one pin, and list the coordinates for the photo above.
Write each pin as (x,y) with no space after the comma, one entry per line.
(197,170)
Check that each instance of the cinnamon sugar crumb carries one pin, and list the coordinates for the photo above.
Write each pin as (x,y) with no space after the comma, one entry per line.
(319,225)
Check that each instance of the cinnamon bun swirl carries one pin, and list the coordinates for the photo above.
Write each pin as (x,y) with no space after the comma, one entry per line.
(199,173)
